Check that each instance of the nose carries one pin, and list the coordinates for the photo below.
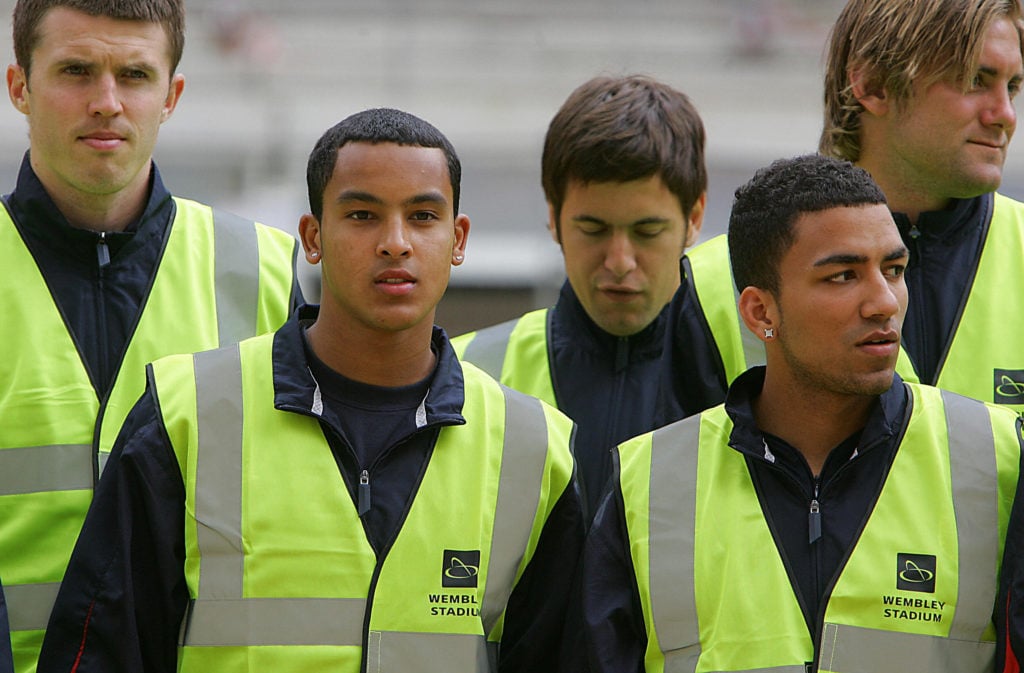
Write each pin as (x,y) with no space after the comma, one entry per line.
(105,101)
(394,239)
(1001,111)
(884,297)
(621,256)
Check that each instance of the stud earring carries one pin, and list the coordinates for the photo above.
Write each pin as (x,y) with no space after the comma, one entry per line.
(314,254)
(458,258)
(769,332)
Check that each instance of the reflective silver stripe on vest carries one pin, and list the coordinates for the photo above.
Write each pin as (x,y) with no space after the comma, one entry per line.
(973,474)
(40,469)
(218,512)
(237,262)
(29,605)
(390,651)
(277,621)
(522,465)
(103,457)
(972,459)
(488,347)
(851,649)
(796,668)
(674,484)
(219,460)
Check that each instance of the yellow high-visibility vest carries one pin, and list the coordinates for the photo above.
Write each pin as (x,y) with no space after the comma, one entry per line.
(279,570)
(220,279)
(916,593)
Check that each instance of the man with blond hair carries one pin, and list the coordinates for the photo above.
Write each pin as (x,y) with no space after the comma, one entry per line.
(921,96)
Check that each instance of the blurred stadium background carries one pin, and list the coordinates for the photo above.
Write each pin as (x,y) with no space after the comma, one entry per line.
(265,78)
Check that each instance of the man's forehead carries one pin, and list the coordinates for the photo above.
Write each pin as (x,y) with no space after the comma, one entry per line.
(405,172)
(827,232)
(68,30)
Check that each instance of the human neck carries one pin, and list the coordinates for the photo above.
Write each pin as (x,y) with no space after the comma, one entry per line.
(813,424)
(902,194)
(387,360)
(101,212)
(108,215)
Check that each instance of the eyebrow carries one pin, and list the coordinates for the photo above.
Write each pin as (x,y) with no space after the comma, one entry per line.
(989,71)
(366,197)
(81,62)
(643,220)
(894,254)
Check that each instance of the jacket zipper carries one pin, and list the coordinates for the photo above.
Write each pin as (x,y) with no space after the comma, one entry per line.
(621,364)
(914,234)
(363,504)
(102,251)
(364,492)
(382,555)
(102,262)
(814,517)
(814,534)
(831,582)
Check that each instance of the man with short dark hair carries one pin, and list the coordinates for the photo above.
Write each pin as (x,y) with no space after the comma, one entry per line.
(343,494)
(625,181)
(103,271)
(829,516)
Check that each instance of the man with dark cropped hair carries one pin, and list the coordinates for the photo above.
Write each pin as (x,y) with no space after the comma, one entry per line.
(828,516)
(342,494)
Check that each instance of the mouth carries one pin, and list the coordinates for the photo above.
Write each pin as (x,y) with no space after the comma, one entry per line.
(395,282)
(997,145)
(102,141)
(883,344)
(619,289)
(876,338)
(620,295)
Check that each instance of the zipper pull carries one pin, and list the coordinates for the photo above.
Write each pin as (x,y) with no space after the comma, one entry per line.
(364,492)
(102,251)
(814,522)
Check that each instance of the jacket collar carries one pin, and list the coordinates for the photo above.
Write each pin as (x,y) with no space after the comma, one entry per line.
(884,423)
(296,390)
(946,227)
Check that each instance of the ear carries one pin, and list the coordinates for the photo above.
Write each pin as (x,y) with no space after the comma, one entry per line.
(173,96)
(868,93)
(696,220)
(759,311)
(309,235)
(461,236)
(553,225)
(17,88)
